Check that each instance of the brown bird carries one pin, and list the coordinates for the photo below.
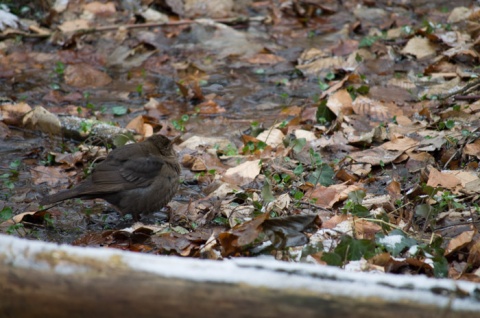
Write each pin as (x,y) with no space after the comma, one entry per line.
(136,178)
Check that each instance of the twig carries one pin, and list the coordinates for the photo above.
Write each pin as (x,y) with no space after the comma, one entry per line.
(314,206)
(467,97)
(461,90)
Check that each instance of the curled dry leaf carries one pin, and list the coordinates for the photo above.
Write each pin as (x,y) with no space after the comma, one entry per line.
(459,242)
(42,120)
(12,114)
(235,239)
(272,137)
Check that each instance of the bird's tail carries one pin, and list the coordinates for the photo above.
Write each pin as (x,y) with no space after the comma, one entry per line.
(59,196)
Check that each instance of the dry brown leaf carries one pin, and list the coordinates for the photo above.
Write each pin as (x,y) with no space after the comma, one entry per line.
(445,180)
(394,190)
(272,137)
(210,107)
(263,58)
(42,120)
(340,103)
(472,149)
(12,114)
(335,220)
(51,175)
(198,165)
(83,75)
(418,161)
(100,9)
(419,47)
(375,156)
(401,144)
(74,25)
(474,255)
(136,124)
(440,89)
(324,64)
(459,242)
(469,181)
(241,235)
(365,229)
(326,197)
(243,173)
(374,109)
(70,159)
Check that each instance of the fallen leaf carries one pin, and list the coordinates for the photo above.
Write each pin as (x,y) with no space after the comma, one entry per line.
(459,242)
(445,180)
(243,173)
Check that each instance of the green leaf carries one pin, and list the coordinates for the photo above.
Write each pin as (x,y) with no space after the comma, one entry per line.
(324,114)
(119,110)
(450,124)
(395,242)
(440,266)
(298,144)
(298,195)
(360,211)
(330,76)
(332,259)
(180,230)
(364,89)
(220,220)
(323,175)
(298,170)
(121,139)
(423,210)
(353,250)
(267,194)
(6,214)
(323,86)
(368,41)
(15,164)
(357,196)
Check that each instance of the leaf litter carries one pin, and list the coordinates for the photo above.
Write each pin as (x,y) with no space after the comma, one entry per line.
(319,133)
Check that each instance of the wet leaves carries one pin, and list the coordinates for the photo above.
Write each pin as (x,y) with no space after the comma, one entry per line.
(362,119)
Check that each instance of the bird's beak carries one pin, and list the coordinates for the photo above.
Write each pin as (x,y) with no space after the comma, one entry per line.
(175,139)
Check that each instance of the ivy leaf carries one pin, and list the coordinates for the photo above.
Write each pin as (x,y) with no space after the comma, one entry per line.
(324,114)
(357,196)
(298,144)
(332,259)
(440,266)
(323,175)
(119,110)
(423,210)
(353,250)
(6,213)
(360,211)
(267,194)
(395,242)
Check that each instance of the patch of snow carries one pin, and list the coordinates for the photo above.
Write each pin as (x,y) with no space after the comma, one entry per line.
(391,240)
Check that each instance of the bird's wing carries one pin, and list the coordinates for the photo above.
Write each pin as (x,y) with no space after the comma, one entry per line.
(117,174)
(142,171)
